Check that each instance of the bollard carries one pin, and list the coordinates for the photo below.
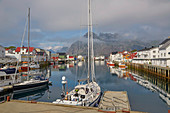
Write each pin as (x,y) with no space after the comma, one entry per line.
(8,98)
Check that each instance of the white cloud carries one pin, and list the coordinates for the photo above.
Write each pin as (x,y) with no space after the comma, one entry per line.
(51,16)
(55,15)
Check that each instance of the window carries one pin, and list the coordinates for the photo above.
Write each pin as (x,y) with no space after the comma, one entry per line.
(165,62)
(2,78)
(164,54)
(154,56)
(168,52)
(161,54)
(154,51)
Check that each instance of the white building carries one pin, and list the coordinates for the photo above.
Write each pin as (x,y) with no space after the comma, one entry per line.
(159,56)
(164,53)
(22,53)
(143,56)
(154,55)
(118,56)
(41,55)
(112,56)
(5,58)
(48,55)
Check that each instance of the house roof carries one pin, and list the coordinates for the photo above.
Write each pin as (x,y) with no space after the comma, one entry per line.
(113,53)
(165,45)
(62,53)
(30,49)
(166,40)
(71,57)
(145,49)
(40,53)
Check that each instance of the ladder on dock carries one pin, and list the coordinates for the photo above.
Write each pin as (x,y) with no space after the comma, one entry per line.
(115,101)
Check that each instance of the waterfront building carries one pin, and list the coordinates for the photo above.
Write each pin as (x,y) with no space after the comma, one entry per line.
(124,56)
(143,56)
(36,54)
(62,56)
(159,56)
(48,55)
(112,56)
(154,55)
(54,57)
(164,53)
(80,57)
(70,58)
(21,53)
(41,55)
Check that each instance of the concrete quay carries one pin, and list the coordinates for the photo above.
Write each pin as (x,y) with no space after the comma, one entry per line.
(116,101)
(18,106)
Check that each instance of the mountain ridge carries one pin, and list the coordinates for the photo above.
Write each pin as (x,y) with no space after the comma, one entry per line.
(105,43)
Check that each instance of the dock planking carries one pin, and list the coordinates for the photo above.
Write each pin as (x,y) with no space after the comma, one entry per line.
(116,101)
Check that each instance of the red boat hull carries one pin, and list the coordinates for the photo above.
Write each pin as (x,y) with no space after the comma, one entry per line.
(111,64)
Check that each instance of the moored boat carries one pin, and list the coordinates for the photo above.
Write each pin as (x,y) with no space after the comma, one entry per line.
(82,95)
(111,64)
(34,82)
(28,85)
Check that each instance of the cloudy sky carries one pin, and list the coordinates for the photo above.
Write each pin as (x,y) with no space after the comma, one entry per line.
(58,23)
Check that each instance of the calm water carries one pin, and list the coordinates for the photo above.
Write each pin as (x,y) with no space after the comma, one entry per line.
(141,98)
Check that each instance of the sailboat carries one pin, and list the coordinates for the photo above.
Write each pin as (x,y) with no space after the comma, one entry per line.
(85,94)
(33,83)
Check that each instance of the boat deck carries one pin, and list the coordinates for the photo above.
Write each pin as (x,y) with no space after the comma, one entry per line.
(116,101)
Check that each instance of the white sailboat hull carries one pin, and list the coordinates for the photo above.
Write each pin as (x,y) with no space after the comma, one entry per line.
(92,98)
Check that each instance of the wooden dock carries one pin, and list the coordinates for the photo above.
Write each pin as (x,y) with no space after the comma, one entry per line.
(114,101)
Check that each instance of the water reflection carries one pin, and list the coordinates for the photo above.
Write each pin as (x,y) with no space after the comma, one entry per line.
(32,94)
(143,89)
(29,94)
(146,80)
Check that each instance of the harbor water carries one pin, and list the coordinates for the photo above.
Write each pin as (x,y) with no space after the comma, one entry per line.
(140,96)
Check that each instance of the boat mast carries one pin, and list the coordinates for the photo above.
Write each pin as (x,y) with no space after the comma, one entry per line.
(88,41)
(92,50)
(90,44)
(28,38)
